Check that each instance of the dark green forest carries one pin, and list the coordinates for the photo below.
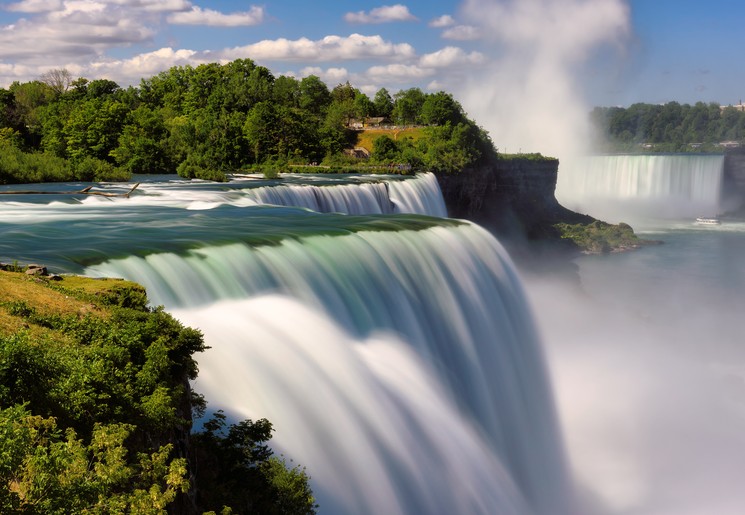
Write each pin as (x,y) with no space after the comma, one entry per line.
(670,127)
(213,119)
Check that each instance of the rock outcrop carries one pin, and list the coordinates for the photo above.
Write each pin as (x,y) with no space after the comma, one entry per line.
(513,197)
(733,180)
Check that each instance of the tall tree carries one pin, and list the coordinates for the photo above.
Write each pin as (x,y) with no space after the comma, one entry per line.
(383,103)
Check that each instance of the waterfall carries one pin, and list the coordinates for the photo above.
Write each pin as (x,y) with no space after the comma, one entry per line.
(401,367)
(394,353)
(623,186)
(420,195)
(353,199)
(351,195)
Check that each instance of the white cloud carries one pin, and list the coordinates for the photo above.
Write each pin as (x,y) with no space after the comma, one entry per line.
(199,16)
(123,71)
(35,6)
(462,33)
(330,76)
(435,85)
(443,21)
(398,73)
(329,48)
(385,14)
(78,32)
(450,57)
(158,6)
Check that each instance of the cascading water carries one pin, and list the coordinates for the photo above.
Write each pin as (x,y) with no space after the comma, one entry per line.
(394,354)
(623,187)
(349,195)
(418,195)
(327,317)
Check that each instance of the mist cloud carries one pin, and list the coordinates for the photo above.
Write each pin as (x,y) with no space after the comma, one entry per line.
(530,96)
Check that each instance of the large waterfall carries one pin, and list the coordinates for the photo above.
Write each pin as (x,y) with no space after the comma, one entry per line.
(395,354)
(629,186)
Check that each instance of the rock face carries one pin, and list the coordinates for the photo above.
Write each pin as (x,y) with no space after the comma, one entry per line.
(512,197)
(733,180)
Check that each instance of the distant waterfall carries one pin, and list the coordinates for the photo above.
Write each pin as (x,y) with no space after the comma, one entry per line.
(401,367)
(623,186)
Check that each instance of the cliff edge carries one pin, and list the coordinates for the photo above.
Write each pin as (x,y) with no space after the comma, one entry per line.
(513,197)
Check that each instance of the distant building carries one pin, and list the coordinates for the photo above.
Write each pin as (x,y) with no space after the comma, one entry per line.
(377,121)
(729,144)
(358,152)
(738,107)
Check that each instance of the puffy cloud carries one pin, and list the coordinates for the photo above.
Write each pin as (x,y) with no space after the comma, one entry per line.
(398,73)
(123,71)
(70,33)
(435,85)
(443,21)
(157,6)
(385,14)
(35,6)
(199,16)
(329,48)
(450,57)
(462,33)
(331,76)
(90,37)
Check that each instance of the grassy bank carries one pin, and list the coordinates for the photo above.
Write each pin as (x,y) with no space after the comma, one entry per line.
(96,409)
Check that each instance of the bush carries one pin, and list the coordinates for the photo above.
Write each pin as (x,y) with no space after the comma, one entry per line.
(93,169)
(190,170)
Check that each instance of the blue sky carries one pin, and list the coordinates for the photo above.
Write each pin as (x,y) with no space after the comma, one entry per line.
(524,69)
(665,49)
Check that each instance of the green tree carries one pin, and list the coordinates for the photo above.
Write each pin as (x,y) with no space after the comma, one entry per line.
(407,106)
(287,91)
(93,128)
(241,471)
(384,150)
(141,146)
(363,107)
(383,103)
(441,108)
(315,96)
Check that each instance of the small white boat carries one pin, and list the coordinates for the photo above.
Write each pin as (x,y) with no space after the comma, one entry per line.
(707,221)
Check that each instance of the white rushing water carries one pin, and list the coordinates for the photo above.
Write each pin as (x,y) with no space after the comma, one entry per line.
(401,367)
(394,353)
(631,187)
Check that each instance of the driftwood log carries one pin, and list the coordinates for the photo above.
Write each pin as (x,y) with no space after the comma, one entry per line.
(85,191)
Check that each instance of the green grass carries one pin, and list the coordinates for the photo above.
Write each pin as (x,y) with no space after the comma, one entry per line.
(366,138)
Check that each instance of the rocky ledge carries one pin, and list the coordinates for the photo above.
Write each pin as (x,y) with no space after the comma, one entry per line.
(513,196)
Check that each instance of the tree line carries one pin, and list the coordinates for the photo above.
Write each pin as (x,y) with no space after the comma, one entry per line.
(671,127)
(213,119)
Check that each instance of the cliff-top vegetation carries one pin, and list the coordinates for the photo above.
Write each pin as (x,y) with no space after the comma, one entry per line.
(214,119)
(670,127)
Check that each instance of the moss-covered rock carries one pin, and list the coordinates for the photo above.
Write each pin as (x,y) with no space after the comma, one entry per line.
(601,237)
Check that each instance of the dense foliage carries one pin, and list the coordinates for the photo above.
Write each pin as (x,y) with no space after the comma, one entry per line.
(213,119)
(671,127)
(95,411)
